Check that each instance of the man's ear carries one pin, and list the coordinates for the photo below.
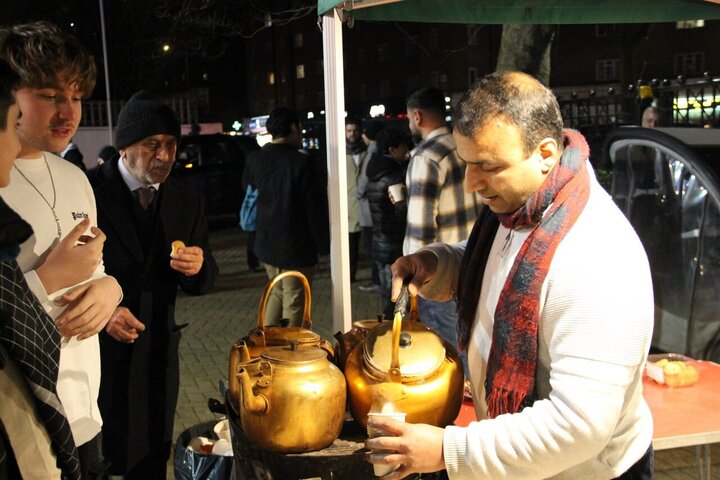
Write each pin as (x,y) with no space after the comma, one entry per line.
(549,151)
(419,117)
(122,153)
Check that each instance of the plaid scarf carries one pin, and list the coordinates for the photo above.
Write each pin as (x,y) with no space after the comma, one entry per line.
(510,380)
(33,341)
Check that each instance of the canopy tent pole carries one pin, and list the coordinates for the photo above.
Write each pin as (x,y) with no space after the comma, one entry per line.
(337,170)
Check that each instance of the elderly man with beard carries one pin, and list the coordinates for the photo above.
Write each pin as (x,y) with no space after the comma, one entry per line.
(143,213)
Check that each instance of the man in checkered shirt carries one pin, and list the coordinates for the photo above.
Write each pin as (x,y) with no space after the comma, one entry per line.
(439,210)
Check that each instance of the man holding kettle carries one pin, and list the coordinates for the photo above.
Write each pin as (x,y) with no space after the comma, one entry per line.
(555,306)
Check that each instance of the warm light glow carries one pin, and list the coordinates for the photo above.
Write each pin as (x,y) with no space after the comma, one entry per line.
(310,115)
(166,48)
(377,110)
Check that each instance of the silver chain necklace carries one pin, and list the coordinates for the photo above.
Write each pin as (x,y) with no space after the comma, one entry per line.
(52,182)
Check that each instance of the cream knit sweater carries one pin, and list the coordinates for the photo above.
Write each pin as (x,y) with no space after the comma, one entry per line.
(596,319)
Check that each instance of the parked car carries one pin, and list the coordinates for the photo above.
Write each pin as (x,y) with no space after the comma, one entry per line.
(213,165)
(667,182)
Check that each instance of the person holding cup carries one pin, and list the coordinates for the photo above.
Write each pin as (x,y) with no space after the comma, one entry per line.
(555,306)
(388,210)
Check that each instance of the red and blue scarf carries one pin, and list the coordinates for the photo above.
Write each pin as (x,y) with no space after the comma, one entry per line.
(510,381)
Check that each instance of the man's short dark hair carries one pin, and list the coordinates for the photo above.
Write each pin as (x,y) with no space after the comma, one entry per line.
(428,99)
(40,52)
(515,97)
(280,122)
(9,81)
(391,137)
(353,120)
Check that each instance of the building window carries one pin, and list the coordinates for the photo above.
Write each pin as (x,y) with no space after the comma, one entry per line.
(683,24)
(472,75)
(298,41)
(271,78)
(300,71)
(438,78)
(607,70)
(689,63)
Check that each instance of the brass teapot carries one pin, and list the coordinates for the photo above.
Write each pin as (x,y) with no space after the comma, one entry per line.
(405,364)
(264,336)
(292,398)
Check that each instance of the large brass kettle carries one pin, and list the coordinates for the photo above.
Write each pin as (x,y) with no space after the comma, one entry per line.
(405,364)
(292,398)
(264,336)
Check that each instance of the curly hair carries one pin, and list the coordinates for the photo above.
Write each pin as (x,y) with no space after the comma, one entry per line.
(43,55)
(515,97)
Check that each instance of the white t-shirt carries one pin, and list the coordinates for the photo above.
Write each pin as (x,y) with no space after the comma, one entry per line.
(79,370)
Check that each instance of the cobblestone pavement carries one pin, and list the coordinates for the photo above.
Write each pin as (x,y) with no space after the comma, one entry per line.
(230,311)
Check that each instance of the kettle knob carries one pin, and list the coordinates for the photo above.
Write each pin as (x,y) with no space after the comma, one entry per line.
(293,345)
(405,340)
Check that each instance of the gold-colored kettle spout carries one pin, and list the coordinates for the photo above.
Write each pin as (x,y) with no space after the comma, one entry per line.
(257,404)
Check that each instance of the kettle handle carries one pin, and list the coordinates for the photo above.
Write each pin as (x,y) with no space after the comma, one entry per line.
(306,321)
(394,371)
(407,305)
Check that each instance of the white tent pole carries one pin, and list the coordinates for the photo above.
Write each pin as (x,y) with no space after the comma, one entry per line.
(337,170)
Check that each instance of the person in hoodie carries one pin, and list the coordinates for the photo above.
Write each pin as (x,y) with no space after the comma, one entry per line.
(389,217)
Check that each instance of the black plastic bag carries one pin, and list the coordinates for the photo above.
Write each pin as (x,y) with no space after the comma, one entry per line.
(189,465)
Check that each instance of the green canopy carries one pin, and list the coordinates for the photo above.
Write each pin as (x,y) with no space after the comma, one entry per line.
(533,11)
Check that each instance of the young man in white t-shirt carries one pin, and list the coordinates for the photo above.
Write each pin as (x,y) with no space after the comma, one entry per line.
(62,261)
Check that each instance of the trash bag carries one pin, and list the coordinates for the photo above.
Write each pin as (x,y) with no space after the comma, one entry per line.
(190,465)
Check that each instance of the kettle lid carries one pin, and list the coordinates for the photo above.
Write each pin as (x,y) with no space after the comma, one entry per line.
(421,351)
(294,353)
(277,335)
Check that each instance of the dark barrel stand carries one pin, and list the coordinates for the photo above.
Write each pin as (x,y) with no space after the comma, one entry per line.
(344,459)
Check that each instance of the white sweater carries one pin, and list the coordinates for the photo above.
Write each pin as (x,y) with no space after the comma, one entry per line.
(79,370)
(596,317)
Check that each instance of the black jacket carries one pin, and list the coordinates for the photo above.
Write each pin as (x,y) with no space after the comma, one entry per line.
(140,381)
(292,213)
(388,220)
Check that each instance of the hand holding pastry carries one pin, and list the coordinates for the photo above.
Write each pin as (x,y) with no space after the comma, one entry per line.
(186,260)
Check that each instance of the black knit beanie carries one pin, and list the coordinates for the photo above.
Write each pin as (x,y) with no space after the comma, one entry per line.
(144,116)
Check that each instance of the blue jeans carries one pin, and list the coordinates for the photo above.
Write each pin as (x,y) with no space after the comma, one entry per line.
(385,278)
(442,318)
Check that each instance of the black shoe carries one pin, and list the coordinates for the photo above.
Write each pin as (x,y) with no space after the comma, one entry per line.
(369,288)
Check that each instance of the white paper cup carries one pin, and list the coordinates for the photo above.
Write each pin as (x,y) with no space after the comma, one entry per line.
(222,430)
(397,191)
(383,469)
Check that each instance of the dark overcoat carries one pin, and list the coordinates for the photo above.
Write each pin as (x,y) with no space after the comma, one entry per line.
(140,381)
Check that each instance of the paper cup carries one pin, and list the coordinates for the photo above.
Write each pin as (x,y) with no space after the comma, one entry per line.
(397,191)
(222,430)
(383,469)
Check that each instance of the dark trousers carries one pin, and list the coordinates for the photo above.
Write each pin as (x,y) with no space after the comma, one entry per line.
(253,262)
(354,239)
(643,468)
(367,237)
(92,463)
(153,466)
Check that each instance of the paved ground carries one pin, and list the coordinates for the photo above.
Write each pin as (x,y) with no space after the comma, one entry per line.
(230,311)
